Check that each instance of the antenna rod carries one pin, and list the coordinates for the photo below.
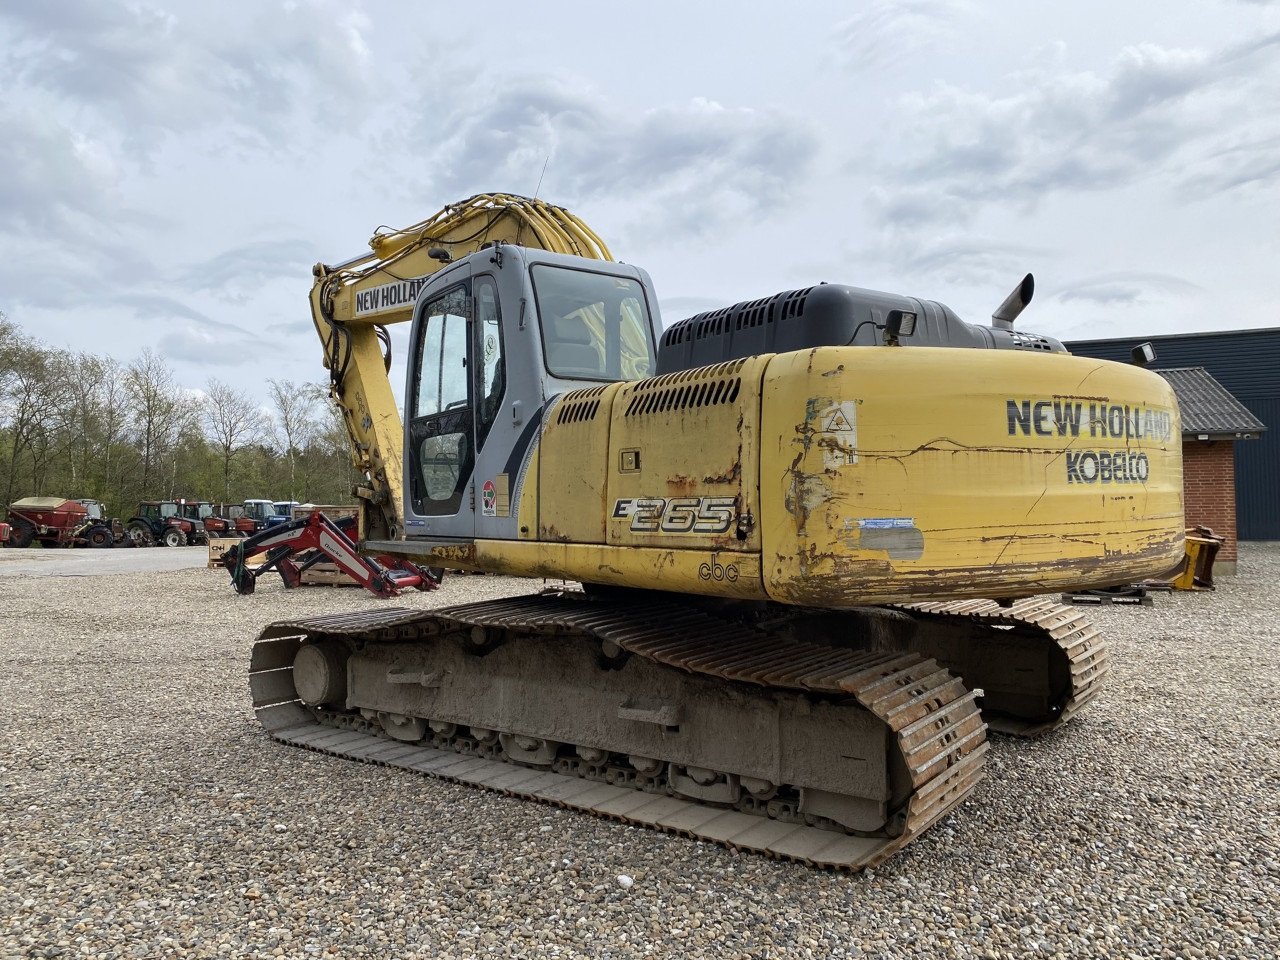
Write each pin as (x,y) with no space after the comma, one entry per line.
(541,175)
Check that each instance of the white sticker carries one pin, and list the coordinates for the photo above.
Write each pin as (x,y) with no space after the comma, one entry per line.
(840,424)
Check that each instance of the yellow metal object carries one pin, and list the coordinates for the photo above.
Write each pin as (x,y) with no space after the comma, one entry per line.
(893,474)
(574,509)
(839,476)
(694,442)
(1197,566)
(714,573)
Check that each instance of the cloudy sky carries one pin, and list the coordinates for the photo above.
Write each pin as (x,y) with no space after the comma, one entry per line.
(169,171)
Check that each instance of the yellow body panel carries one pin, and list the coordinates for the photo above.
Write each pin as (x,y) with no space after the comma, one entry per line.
(892,474)
(693,439)
(573,465)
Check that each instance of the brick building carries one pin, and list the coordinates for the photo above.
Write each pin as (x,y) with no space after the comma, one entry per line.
(1213,421)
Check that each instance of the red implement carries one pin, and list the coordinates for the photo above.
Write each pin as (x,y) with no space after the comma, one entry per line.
(293,547)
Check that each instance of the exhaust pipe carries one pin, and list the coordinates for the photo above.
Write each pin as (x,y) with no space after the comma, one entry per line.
(1014,304)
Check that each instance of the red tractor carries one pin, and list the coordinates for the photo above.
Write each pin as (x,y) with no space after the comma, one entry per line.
(56,522)
(172,523)
(229,520)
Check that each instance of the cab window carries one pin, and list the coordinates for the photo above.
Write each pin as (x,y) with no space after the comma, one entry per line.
(493,380)
(594,326)
(440,431)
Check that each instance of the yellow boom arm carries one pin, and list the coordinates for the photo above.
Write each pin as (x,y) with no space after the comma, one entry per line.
(352,302)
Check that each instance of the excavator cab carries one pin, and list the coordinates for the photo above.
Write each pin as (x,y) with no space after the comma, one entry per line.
(496,336)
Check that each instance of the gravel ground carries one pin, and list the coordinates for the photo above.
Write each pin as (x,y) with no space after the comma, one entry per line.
(77,562)
(145,814)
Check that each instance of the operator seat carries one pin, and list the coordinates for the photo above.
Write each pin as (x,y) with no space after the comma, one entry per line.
(570,348)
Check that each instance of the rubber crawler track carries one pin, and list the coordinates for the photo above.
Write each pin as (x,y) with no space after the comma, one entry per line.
(936,723)
(1067,628)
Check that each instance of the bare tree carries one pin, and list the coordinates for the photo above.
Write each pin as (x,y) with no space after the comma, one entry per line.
(329,473)
(295,423)
(160,414)
(113,415)
(86,416)
(233,422)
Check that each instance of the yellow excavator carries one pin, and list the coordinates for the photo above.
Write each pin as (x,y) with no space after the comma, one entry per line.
(814,532)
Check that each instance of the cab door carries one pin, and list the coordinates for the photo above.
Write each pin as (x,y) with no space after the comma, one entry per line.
(508,397)
(440,428)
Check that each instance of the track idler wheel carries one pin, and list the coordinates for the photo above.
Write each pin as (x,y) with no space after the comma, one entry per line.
(320,675)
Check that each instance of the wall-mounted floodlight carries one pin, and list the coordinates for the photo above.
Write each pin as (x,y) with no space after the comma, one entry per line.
(1143,354)
(899,323)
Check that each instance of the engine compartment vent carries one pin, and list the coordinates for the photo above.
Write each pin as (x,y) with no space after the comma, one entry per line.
(826,315)
(580,406)
(1022,341)
(686,389)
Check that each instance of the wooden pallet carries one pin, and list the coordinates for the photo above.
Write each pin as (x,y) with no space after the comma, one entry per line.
(327,575)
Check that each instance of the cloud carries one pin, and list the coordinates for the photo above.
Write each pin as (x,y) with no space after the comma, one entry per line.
(53,177)
(675,309)
(290,329)
(211,343)
(1245,163)
(700,163)
(240,272)
(965,259)
(1126,288)
(145,73)
(156,306)
(887,30)
(1155,112)
(105,87)
(77,262)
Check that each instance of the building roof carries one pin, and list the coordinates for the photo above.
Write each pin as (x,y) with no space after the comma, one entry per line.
(1207,407)
(1268,332)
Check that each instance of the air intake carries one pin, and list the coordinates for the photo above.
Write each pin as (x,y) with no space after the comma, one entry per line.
(703,387)
(580,406)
